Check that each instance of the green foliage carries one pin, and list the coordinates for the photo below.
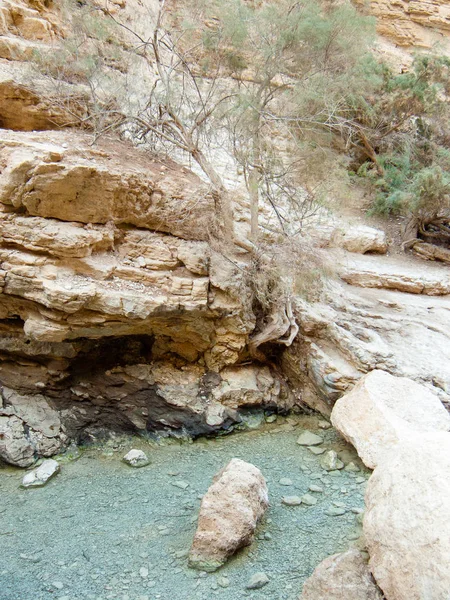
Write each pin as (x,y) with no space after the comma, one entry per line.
(409,187)
(406,117)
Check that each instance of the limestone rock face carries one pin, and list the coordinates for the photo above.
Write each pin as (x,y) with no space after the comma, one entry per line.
(407,520)
(229,513)
(419,23)
(360,239)
(34,31)
(343,576)
(57,176)
(353,330)
(382,410)
(29,102)
(392,276)
(114,309)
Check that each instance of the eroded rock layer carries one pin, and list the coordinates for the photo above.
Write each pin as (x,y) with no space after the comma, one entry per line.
(114,309)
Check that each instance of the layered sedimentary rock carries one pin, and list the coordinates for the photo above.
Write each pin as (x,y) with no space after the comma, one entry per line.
(422,23)
(114,309)
(353,329)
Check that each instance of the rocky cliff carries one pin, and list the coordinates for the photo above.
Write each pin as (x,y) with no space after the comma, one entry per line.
(115,311)
(121,308)
(411,24)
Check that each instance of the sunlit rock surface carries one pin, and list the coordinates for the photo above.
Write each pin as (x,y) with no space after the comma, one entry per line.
(407,519)
(114,309)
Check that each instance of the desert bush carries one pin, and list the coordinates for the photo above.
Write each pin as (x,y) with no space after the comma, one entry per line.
(408,127)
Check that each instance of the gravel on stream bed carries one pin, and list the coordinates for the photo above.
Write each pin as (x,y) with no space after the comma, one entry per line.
(102,530)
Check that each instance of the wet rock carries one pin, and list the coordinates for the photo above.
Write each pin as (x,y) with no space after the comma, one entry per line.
(307,438)
(407,519)
(39,476)
(382,409)
(136,458)
(330,461)
(343,576)
(229,513)
(258,580)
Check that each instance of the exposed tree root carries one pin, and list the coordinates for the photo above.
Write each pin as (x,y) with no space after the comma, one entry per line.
(281,328)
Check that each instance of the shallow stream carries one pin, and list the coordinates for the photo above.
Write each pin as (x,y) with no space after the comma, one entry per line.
(101,530)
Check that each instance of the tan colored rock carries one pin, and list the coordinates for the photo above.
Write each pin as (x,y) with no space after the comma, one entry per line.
(62,176)
(360,239)
(28,102)
(344,576)
(246,386)
(54,237)
(431,252)
(421,23)
(402,279)
(29,20)
(407,519)
(229,513)
(382,410)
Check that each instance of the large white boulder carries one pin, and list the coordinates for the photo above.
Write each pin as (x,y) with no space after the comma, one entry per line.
(229,513)
(344,576)
(407,520)
(382,409)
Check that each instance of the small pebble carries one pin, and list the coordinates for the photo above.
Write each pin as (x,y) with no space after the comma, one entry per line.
(309,500)
(58,585)
(285,481)
(351,468)
(291,500)
(183,485)
(224,582)
(256,581)
(316,450)
(315,488)
(334,511)
(307,438)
